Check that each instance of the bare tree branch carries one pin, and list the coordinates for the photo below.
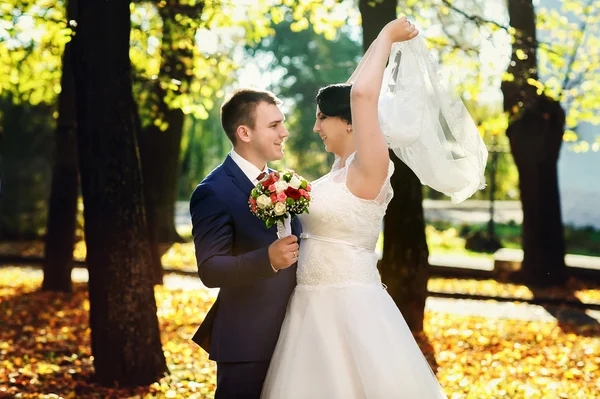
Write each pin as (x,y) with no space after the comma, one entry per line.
(480,21)
(475,18)
(439,44)
(582,29)
(445,29)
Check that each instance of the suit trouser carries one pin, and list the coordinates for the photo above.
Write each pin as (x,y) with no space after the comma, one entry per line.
(240,380)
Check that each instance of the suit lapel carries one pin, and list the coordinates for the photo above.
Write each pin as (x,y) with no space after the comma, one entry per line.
(237,176)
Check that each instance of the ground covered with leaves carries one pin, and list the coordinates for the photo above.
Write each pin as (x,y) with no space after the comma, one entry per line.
(45,349)
(574,290)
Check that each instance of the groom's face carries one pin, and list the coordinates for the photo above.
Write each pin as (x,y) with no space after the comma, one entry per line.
(268,134)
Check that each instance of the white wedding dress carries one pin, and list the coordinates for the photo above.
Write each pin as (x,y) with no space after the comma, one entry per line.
(343,337)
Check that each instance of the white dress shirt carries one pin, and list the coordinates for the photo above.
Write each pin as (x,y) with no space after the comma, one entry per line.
(247,167)
(250,171)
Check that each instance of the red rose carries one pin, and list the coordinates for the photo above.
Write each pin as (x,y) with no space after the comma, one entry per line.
(293,193)
(268,182)
(252,201)
(273,198)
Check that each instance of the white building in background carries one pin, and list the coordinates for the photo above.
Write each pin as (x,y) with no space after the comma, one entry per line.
(579,181)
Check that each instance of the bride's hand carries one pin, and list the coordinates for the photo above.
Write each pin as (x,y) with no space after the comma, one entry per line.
(399,30)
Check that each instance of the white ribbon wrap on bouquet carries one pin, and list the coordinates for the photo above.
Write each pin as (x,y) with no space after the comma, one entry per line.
(284,228)
(427,126)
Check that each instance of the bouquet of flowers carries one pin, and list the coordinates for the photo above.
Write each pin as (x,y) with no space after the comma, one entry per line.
(278,197)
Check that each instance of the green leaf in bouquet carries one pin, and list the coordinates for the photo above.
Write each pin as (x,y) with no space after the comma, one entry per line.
(289,201)
(304,184)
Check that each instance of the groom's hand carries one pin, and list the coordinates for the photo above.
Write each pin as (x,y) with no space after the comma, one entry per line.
(284,252)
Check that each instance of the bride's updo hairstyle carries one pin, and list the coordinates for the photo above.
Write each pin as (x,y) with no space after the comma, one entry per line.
(334,100)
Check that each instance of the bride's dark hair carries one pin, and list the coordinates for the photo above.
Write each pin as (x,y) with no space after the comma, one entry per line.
(334,100)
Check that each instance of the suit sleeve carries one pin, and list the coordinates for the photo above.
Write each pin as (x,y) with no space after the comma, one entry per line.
(212,228)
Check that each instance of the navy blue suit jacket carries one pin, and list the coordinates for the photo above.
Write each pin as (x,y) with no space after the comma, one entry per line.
(232,254)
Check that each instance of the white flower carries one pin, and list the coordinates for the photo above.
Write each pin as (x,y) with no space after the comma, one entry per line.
(281,186)
(280,208)
(263,201)
(295,182)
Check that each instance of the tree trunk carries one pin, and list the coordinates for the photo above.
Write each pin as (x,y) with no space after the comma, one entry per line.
(26,158)
(155,270)
(542,129)
(125,335)
(535,132)
(404,264)
(62,213)
(160,149)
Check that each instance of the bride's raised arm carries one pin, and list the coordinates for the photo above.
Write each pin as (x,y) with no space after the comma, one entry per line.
(369,171)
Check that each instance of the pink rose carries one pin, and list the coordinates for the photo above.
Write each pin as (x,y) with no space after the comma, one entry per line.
(254,208)
(272,188)
(273,198)
(308,187)
(252,201)
(303,192)
(281,197)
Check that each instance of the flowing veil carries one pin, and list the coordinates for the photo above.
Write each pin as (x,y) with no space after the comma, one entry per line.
(427,126)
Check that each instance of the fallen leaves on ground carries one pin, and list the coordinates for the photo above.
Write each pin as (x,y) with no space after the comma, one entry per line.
(45,343)
(494,358)
(45,338)
(586,292)
(180,256)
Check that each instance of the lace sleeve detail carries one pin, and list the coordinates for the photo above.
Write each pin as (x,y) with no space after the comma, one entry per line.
(386,193)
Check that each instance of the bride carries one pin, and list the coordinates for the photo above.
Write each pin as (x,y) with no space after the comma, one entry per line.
(343,337)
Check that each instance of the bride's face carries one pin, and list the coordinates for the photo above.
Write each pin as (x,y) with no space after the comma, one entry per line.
(334,131)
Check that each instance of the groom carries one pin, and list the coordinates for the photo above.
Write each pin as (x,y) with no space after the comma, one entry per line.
(236,252)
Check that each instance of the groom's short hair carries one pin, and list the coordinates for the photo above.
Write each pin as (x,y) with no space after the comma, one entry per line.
(240,109)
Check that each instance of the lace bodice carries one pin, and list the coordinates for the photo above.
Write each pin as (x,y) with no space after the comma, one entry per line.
(340,233)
